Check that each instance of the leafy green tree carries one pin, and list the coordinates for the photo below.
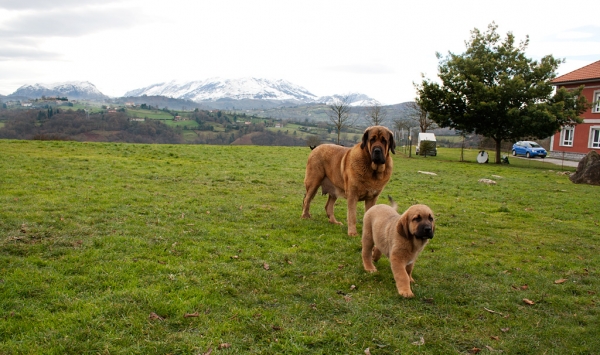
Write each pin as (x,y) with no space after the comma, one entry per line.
(494,90)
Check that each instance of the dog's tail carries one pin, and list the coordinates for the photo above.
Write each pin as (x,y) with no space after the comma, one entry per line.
(392,202)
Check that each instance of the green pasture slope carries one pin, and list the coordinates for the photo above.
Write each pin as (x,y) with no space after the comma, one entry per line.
(180,249)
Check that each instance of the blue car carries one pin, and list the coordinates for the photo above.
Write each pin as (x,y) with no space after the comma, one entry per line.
(529,149)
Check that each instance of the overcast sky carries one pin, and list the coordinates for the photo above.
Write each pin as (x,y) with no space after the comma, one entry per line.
(374,47)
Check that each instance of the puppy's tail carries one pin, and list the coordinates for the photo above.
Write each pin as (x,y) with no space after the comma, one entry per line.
(392,202)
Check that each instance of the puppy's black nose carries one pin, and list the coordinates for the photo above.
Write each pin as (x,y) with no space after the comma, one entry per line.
(428,232)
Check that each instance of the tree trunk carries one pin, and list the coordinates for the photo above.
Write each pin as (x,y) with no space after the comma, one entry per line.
(498,147)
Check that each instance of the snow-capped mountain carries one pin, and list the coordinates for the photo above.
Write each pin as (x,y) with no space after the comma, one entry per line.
(70,89)
(214,89)
(237,89)
(356,99)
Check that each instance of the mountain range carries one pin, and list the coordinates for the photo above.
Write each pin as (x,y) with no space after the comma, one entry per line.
(77,90)
(220,93)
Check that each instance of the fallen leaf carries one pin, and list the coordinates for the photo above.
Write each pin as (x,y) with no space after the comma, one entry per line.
(224,346)
(474,350)
(528,301)
(367,351)
(419,342)
(560,281)
(352,287)
(490,348)
(265,266)
(189,315)
(275,327)
(208,352)
(155,316)
(234,257)
(524,287)
(428,300)
(495,337)
(347,298)
(504,330)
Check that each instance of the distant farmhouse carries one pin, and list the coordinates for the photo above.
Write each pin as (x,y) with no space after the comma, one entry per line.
(575,142)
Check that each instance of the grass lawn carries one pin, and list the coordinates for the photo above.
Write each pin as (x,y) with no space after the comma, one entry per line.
(178,249)
(151,114)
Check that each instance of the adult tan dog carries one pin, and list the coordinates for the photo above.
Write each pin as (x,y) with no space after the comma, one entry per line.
(399,237)
(357,174)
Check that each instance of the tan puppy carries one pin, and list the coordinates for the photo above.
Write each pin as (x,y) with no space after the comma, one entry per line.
(399,237)
(358,174)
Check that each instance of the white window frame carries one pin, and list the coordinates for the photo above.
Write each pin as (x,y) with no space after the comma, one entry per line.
(563,141)
(596,102)
(594,144)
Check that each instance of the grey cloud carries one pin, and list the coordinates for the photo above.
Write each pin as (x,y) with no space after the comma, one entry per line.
(68,23)
(48,4)
(26,53)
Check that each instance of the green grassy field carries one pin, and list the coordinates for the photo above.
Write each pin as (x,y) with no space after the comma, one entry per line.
(151,114)
(180,249)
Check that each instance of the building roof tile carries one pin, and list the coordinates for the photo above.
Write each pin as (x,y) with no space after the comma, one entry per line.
(589,72)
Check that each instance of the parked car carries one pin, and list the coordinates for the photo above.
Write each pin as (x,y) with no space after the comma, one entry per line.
(529,149)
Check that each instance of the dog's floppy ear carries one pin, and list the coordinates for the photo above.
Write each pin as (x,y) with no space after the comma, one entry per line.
(392,143)
(365,139)
(403,225)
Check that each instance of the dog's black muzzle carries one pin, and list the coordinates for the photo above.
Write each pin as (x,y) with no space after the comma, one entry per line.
(377,156)
(425,232)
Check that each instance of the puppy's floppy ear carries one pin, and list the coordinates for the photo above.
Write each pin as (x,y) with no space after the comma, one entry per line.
(403,226)
(365,138)
(392,143)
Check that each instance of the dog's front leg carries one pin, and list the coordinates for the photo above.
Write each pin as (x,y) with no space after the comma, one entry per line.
(370,203)
(401,277)
(352,202)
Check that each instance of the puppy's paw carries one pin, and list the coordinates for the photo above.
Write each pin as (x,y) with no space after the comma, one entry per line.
(406,294)
(373,269)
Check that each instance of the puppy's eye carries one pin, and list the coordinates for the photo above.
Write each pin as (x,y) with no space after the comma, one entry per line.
(383,141)
(430,219)
(418,219)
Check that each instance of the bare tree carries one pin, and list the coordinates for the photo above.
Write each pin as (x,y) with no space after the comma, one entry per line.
(376,114)
(416,113)
(406,124)
(339,114)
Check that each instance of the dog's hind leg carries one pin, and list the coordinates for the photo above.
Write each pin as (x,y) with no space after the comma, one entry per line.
(376,254)
(409,270)
(329,209)
(311,191)
(368,247)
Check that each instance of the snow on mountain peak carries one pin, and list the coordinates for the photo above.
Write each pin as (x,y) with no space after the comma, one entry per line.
(71,89)
(213,89)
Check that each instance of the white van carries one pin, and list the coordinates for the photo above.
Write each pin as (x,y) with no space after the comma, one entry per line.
(432,149)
